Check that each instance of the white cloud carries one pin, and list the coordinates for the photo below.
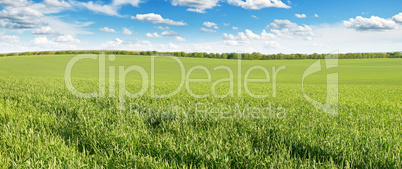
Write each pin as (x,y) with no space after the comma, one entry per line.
(113,43)
(162,28)
(178,38)
(226,24)
(30,15)
(397,18)
(300,15)
(106,29)
(153,35)
(67,38)
(98,8)
(110,9)
(337,36)
(157,19)
(41,40)
(255,17)
(252,35)
(374,23)
(302,32)
(10,38)
(196,5)
(47,30)
(290,30)
(315,15)
(281,24)
(247,37)
(216,27)
(56,3)
(197,10)
(209,24)
(235,28)
(258,4)
(326,39)
(15,3)
(169,33)
(272,44)
(21,18)
(205,30)
(173,46)
(134,3)
(118,44)
(67,28)
(127,31)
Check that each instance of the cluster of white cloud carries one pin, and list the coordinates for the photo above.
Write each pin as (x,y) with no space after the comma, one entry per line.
(56,3)
(153,35)
(61,42)
(137,45)
(279,30)
(47,30)
(374,23)
(196,5)
(67,38)
(281,24)
(288,29)
(397,18)
(246,37)
(258,4)
(10,38)
(157,19)
(209,25)
(134,44)
(15,3)
(167,34)
(21,18)
(201,6)
(51,33)
(24,15)
(110,30)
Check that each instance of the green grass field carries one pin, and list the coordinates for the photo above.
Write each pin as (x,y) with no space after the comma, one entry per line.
(43,125)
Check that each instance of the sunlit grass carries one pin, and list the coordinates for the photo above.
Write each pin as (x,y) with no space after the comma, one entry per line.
(43,125)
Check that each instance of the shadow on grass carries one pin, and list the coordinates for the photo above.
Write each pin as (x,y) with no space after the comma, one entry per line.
(267,142)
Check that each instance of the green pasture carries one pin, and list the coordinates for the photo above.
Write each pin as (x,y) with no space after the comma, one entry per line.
(43,125)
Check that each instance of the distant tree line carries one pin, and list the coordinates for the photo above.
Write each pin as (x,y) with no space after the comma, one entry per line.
(245,56)
(280,56)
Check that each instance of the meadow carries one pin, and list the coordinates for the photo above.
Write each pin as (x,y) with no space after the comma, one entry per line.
(44,125)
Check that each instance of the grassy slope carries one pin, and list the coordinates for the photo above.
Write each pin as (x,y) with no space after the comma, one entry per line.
(43,125)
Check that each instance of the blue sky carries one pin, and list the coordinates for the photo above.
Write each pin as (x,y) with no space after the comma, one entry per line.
(266,26)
